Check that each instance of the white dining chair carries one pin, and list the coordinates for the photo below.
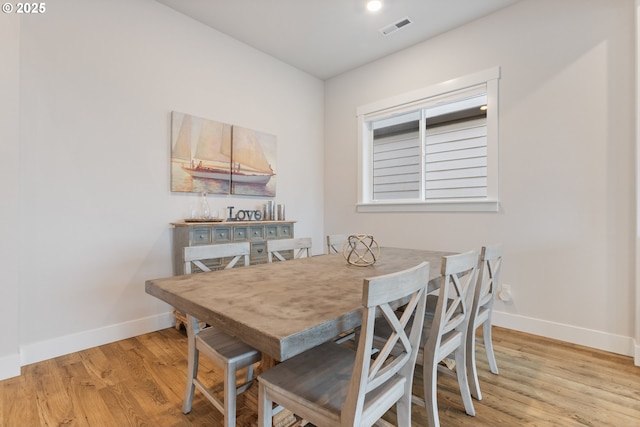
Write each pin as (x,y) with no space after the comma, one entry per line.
(298,247)
(225,255)
(332,385)
(224,350)
(444,332)
(335,243)
(482,313)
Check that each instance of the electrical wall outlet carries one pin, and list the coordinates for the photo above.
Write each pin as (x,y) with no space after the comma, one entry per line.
(505,293)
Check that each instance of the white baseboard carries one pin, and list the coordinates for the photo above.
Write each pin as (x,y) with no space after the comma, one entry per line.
(10,366)
(36,352)
(587,337)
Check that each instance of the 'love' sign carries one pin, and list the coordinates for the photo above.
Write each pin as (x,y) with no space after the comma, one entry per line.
(245,215)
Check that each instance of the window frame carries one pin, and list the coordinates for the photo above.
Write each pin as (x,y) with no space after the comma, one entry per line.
(410,101)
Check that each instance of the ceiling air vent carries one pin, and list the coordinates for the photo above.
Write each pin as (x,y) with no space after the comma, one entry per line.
(395,26)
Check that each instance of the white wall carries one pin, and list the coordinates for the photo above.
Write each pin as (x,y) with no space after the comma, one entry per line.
(10,195)
(566,161)
(637,233)
(98,82)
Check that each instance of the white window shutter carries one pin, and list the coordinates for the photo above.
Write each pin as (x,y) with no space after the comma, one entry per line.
(396,167)
(456,160)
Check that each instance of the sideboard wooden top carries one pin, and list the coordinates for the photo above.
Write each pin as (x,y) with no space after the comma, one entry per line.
(225,222)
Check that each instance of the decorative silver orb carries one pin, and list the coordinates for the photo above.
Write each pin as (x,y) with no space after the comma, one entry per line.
(361,250)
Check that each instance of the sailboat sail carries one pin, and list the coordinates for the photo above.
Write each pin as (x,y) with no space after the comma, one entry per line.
(248,152)
(182,147)
(213,137)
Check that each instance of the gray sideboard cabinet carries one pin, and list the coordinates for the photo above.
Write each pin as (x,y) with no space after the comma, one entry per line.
(211,233)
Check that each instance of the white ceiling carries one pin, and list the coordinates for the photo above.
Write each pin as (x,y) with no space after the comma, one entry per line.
(328,37)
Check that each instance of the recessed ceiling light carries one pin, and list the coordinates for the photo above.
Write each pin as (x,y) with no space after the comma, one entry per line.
(374,5)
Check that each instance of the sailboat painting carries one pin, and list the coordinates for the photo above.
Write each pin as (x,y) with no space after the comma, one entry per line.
(218,158)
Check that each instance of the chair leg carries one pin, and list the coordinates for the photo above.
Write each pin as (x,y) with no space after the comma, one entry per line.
(265,417)
(249,373)
(430,380)
(488,345)
(461,372)
(403,410)
(247,381)
(230,395)
(472,372)
(192,372)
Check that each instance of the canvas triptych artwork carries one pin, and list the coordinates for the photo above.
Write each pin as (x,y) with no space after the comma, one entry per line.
(212,157)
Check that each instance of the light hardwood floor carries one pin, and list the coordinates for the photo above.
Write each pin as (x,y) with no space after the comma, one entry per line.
(140,382)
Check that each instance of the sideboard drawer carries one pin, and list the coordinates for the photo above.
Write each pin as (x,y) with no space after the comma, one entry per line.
(201,236)
(240,234)
(272,231)
(256,233)
(258,252)
(221,234)
(285,231)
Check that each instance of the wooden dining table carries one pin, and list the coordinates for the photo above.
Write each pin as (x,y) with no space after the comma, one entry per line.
(286,308)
